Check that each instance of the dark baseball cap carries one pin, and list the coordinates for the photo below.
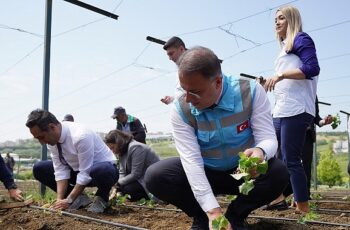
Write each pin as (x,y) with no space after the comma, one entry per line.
(117,110)
(68,117)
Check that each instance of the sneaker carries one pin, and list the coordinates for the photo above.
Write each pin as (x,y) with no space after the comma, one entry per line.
(200,223)
(80,202)
(98,206)
(282,205)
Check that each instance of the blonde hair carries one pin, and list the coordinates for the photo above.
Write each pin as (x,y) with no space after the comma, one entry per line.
(293,18)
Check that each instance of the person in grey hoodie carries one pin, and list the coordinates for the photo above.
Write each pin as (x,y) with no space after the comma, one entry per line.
(134,158)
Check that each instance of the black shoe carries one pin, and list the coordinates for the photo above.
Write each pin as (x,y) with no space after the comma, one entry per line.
(282,205)
(200,223)
(239,225)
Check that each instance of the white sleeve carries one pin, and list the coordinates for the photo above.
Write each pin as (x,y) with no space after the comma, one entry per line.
(261,121)
(192,161)
(85,148)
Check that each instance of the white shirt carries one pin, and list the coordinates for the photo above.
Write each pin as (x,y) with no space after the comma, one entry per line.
(190,154)
(81,149)
(293,97)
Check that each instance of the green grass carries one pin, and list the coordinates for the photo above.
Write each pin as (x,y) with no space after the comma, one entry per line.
(164,149)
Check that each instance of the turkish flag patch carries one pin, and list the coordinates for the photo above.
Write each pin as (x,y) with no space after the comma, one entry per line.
(243,126)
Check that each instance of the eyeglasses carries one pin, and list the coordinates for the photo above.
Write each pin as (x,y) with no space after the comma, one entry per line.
(196,95)
(190,93)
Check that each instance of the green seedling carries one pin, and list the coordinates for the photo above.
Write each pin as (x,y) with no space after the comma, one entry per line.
(346,198)
(316,196)
(149,203)
(310,216)
(247,165)
(220,223)
(231,197)
(335,121)
(313,206)
(120,200)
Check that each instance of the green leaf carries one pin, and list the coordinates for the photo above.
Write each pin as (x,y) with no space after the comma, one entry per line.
(142,201)
(239,176)
(262,167)
(246,187)
(231,197)
(220,223)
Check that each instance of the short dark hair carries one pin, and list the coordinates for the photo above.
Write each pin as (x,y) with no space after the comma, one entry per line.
(41,118)
(174,42)
(120,138)
(199,60)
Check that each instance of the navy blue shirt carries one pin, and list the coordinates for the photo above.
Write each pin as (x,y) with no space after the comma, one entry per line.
(304,48)
(5,175)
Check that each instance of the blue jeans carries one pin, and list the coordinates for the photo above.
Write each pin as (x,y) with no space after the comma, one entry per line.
(290,133)
(104,175)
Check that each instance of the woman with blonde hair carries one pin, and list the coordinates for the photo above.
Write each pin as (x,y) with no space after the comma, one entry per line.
(294,86)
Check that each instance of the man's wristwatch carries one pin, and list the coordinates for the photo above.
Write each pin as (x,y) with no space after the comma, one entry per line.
(280,76)
(69,200)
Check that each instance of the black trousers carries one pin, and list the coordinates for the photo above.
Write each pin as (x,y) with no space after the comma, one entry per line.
(135,190)
(167,180)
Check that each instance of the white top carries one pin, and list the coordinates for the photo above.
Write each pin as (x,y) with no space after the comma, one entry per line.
(189,150)
(293,97)
(81,149)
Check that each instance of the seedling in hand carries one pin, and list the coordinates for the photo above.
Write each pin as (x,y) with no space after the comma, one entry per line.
(245,167)
(220,223)
(335,121)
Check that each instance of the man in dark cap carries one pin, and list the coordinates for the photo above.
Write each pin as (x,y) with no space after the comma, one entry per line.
(68,117)
(129,124)
(174,48)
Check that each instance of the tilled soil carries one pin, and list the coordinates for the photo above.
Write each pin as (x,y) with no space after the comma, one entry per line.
(30,218)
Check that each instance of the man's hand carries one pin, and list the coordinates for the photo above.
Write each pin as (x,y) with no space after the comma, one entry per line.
(60,204)
(167,100)
(213,214)
(326,121)
(254,152)
(16,194)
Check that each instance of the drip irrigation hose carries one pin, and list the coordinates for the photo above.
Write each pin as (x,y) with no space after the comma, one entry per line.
(146,207)
(307,221)
(88,218)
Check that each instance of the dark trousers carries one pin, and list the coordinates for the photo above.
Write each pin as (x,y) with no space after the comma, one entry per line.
(290,133)
(167,180)
(104,175)
(306,157)
(135,190)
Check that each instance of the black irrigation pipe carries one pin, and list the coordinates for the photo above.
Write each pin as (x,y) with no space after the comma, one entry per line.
(307,222)
(88,218)
(261,217)
(153,208)
(330,201)
(332,210)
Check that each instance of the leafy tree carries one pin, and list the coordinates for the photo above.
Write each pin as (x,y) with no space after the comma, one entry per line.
(328,169)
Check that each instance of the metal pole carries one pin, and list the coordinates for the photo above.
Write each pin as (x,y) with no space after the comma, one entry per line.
(46,77)
(314,161)
(347,129)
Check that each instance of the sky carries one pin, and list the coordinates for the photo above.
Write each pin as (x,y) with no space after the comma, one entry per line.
(98,63)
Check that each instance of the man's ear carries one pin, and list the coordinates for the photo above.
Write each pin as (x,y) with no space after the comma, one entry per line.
(218,81)
(51,126)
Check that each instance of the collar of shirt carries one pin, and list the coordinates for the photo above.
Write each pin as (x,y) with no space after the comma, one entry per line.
(64,132)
